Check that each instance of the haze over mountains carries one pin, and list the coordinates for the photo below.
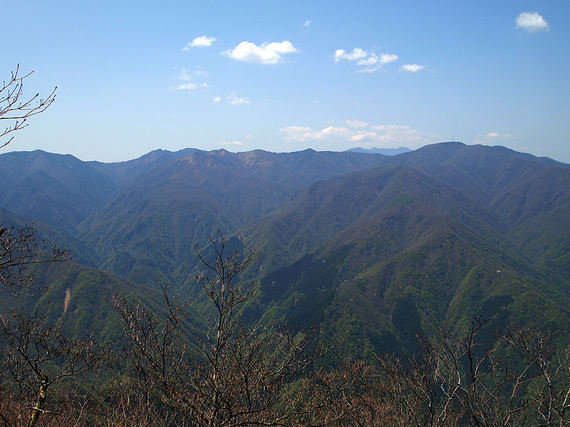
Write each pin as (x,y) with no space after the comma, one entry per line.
(368,247)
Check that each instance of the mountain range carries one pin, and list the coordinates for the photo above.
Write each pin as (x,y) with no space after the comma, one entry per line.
(362,246)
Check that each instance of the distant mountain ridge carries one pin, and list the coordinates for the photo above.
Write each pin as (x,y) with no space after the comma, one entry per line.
(368,246)
(126,210)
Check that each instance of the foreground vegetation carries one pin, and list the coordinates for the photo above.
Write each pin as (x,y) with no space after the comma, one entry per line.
(240,374)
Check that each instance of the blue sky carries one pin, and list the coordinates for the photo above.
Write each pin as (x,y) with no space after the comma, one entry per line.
(284,76)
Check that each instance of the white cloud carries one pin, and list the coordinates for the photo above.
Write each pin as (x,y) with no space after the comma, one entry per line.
(231,143)
(369,62)
(413,68)
(400,135)
(267,53)
(187,86)
(531,22)
(386,57)
(302,134)
(356,54)
(231,99)
(362,134)
(203,41)
(234,100)
(307,23)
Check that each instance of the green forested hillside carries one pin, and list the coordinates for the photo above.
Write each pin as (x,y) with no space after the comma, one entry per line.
(60,191)
(371,248)
(380,290)
(349,251)
(146,230)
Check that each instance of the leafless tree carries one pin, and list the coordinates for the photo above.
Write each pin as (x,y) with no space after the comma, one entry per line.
(160,363)
(35,354)
(38,356)
(237,374)
(21,249)
(15,108)
(521,379)
(549,373)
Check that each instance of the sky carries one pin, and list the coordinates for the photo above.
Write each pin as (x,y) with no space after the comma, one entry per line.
(285,76)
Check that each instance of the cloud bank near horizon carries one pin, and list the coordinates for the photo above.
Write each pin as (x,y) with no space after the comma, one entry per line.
(357,132)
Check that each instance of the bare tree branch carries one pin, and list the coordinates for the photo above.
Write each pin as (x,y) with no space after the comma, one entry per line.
(39,355)
(16,109)
(20,249)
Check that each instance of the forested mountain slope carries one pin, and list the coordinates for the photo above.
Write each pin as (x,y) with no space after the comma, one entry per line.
(366,247)
(60,191)
(420,242)
(146,230)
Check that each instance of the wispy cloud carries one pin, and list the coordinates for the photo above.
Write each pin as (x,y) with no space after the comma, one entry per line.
(532,22)
(360,133)
(202,41)
(307,23)
(305,133)
(190,77)
(234,100)
(267,53)
(367,61)
(413,68)
(191,86)
(490,137)
(230,143)
(356,123)
(231,99)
